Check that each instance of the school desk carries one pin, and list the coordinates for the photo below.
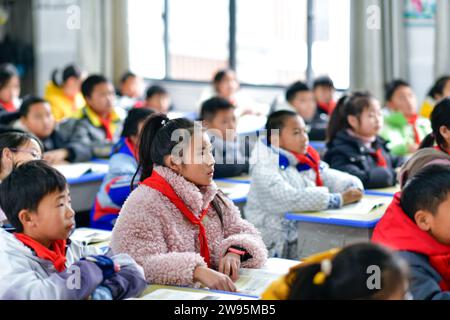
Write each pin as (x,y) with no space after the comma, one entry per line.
(84,181)
(321,231)
(237,192)
(385,192)
(193,116)
(236,180)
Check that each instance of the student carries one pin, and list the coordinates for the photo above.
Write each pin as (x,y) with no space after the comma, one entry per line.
(218,116)
(403,128)
(225,85)
(157,99)
(98,125)
(416,224)
(9,88)
(439,91)
(300,99)
(344,275)
(288,176)
(39,258)
(63,92)
(130,91)
(123,164)
(17,148)
(440,123)
(324,90)
(176,224)
(354,145)
(36,117)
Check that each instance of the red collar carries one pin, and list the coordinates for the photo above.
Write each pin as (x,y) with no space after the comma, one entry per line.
(311,159)
(56,254)
(9,106)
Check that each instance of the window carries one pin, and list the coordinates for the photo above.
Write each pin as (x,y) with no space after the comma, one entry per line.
(271,41)
(331,46)
(198,38)
(146,38)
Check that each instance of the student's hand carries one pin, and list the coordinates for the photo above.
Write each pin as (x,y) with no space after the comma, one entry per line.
(351,196)
(230,265)
(213,279)
(56,156)
(413,148)
(102,293)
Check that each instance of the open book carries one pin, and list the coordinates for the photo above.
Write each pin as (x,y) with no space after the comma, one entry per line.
(156,292)
(76,170)
(90,236)
(363,207)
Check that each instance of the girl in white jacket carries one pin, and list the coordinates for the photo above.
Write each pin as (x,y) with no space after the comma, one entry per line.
(288,176)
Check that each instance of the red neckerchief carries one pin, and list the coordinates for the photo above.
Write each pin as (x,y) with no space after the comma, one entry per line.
(379,158)
(9,106)
(413,122)
(132,148)
(397,231)
(311,159)
(106,123)
(327,107)
(438,148)
(160,184)
(56,254)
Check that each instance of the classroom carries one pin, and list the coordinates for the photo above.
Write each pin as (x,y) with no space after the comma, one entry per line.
(257,150)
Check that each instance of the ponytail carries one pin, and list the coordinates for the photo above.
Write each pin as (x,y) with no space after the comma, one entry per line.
(348,105)
(55,78)
(428,141)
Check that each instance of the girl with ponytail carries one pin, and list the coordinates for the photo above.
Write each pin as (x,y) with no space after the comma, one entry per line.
(354,145)
(440,123)
(63,92)
(357,272)
(177,225)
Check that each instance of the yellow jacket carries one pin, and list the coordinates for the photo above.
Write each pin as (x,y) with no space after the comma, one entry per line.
(62,106)
(427,108)
(279,289)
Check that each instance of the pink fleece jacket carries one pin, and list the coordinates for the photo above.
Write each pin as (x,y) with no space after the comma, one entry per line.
(157,235)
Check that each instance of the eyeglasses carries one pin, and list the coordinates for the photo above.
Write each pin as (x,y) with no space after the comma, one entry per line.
(35,154)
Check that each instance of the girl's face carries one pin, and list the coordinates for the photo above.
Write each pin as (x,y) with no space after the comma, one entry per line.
(196,163)
(293,136)
(72,86)
(29,151)
(11,91)
(228,86)
(370,122)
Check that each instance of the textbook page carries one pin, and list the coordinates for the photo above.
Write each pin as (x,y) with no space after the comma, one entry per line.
(156,292)
(90,236)
(363,207)
(76,170)
(255,281)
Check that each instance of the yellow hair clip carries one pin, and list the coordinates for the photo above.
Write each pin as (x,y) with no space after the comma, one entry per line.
(325,271)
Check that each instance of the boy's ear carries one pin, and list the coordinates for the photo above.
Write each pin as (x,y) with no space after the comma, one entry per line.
(26,218)
(423,220)
(353,121)
(445,132)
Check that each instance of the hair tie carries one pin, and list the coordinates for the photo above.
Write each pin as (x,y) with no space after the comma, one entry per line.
(325,270)
(164,122)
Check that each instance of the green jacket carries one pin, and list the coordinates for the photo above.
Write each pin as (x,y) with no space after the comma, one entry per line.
(400,133)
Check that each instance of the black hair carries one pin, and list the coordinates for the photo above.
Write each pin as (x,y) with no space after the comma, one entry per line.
(15,139)
(131,124)
(324,81)
(438,87)
(348,105)
(349,277)
(295,88)
(211,107)
(277,121)
(155,90)
(156,142)
(90,83)
(220,75)
(70,71)
(440,117)
(393,86)
(25,188)
(27,103)
(127,75)
(7,72)
(426,190)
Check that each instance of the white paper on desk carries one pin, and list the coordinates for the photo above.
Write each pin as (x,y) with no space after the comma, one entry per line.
(90,236)
(238,190)
(363,207)
(76,170)
(255,281)
(174,294)
(279,266)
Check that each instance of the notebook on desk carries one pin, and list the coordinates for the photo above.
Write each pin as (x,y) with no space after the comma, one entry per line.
(76,170)
(89,236)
